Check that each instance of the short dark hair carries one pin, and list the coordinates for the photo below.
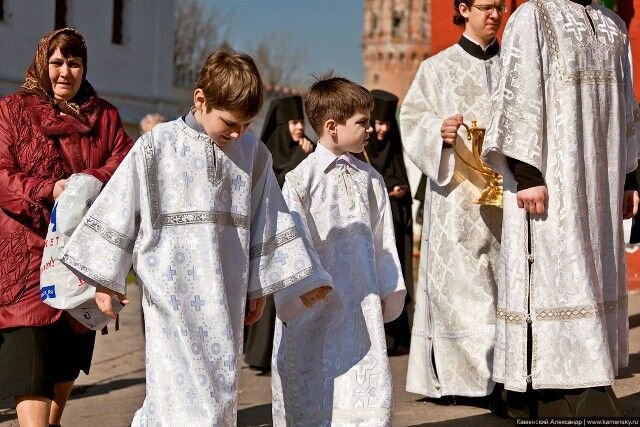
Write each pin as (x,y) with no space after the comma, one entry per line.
(458,19)
(336,98)
(231,81)
(71,44)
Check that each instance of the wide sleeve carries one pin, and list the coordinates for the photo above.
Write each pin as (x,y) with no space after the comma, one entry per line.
(119,143)
(21,195)
(632,113)
(420,126)
(101,249)
(390,281)
(516,127)
(280,261)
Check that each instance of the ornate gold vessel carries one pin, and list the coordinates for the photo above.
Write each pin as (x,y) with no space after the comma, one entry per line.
(492,194)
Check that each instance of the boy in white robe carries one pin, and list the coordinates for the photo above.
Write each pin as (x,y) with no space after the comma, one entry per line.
(196,209)
(330,365)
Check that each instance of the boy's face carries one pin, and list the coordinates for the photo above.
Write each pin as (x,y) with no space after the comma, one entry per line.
(354,134)
(222,126)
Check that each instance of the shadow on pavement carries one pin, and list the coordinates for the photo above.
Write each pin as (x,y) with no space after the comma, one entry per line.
(88,390)
(634,321)
(474,421)
(255,416)
(631,405)
(633,368)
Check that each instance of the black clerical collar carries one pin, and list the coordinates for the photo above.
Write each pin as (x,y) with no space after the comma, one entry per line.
(582,2)
(476,50)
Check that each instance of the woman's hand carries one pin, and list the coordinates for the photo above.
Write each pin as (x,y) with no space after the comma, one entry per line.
(306,145)
(104,299)
(58,188)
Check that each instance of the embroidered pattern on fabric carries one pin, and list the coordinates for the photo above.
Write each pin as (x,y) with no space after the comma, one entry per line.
(273,243)
(159,219)
(98,278)
(510,316)
(579,312)
(214,164)
(282,283)
(112,236)
(564,313)
(565,77)
(203,217)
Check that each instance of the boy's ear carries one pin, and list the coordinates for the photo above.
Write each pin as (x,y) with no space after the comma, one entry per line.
(330,127)
(198,99)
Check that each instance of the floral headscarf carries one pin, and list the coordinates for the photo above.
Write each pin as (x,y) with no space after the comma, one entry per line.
(37,79)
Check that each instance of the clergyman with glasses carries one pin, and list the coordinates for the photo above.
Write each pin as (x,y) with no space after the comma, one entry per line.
(454,323)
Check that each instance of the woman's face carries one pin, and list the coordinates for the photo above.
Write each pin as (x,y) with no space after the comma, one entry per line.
(65,75)
(296,129)
(381,129)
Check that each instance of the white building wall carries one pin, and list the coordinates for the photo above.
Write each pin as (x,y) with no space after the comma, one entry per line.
(136,76)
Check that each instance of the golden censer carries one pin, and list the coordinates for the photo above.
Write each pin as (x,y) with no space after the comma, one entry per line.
(492,194)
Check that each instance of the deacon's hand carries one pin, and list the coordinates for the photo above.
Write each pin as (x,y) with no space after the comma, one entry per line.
(306,145)
(449,129)
(104,299)
(630,201)
(533,200)
(310,298)
(254,310)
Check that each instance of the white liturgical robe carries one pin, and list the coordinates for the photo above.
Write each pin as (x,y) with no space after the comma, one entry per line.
(204,226)
(330,366)
(564,104)
(454,321)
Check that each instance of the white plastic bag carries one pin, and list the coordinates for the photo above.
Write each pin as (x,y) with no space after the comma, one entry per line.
(59,287)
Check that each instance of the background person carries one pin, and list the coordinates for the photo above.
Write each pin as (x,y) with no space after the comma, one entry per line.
(54,126)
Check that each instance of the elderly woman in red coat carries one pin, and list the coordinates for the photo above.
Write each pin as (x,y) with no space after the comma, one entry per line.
(54,126)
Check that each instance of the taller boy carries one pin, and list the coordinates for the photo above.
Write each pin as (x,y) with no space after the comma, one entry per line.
(197,209)
(330,365)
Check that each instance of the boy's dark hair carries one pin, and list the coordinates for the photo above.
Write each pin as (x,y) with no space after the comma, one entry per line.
(458,19)
(231,82)
(336,98)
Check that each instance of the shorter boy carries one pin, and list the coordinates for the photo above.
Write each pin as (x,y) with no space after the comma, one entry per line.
(330,365)
(197,210)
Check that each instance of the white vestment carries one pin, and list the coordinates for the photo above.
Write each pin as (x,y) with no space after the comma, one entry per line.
(454,320)
(564,104)
(204,226)
(330,366)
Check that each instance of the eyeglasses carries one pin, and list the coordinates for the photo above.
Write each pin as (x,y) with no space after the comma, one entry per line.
(488,9)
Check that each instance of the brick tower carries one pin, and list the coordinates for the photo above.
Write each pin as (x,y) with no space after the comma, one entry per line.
(396,38)
(399,34)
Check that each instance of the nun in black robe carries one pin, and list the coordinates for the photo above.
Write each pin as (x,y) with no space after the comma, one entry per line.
(287,153)
(385,155)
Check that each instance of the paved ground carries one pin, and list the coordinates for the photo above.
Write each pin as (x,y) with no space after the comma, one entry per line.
(115,388)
